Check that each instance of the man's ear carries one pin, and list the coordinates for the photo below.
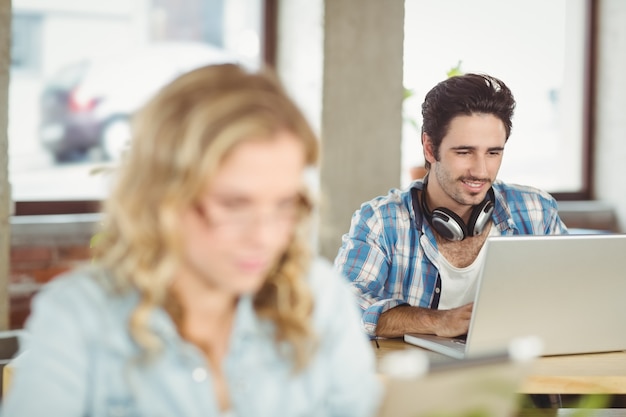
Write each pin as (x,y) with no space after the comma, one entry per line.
(427,144)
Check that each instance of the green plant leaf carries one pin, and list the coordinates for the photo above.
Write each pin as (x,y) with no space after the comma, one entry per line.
(454,71)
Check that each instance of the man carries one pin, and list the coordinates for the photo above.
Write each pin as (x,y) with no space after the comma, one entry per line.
(413,256)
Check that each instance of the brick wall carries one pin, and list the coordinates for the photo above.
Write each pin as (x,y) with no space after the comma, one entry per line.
(42,247)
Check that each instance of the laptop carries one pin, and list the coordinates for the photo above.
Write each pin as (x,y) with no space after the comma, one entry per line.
(484,385)
(569,291)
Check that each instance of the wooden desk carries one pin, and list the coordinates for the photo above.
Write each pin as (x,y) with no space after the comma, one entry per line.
(598,373)
(572,412)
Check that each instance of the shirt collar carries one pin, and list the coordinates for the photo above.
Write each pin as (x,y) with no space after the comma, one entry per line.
(502,218)
(246,321)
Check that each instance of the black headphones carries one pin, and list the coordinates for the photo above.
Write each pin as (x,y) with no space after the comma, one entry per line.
(449,225)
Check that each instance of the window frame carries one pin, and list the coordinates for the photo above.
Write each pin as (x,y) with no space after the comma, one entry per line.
(270,12)
(30,208)
(583,86)
(587,191)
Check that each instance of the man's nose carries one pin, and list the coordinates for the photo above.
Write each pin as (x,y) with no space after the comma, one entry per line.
(479,166)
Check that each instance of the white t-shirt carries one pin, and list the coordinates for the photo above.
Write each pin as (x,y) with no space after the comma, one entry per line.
(458,285)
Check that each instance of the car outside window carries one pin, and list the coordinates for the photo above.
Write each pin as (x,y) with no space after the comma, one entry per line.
(94,65)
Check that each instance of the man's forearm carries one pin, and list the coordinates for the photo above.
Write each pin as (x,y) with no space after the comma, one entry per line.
(403,319)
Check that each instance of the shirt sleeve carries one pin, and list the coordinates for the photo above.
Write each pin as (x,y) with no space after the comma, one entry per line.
(556,226)
(364,258)
(50,371)
(355,390)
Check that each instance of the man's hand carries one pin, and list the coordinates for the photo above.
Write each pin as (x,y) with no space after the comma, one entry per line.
(407,319)
(454,322)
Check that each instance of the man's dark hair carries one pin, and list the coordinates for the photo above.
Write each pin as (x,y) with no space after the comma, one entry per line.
(464,95)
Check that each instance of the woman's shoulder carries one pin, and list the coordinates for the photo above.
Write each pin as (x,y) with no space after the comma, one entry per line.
(331,290)
(84,294)
(322,273)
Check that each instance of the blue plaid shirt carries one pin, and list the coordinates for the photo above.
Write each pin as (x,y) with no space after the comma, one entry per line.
(390,253)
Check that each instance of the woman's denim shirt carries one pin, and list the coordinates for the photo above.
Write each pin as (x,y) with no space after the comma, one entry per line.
(78,359)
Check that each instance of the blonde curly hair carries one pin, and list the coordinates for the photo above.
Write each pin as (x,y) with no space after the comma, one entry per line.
(179,140)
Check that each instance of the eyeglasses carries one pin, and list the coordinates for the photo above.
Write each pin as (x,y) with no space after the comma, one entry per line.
(240,220)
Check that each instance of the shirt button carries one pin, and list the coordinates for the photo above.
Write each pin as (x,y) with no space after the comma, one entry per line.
(437,290)
(199,374)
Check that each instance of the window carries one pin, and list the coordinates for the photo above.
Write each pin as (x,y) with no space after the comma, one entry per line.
(539,49)
(26,43)
(79,71)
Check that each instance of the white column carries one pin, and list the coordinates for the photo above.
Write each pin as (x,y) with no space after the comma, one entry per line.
(342,61)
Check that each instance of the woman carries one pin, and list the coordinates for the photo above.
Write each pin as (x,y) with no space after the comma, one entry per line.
(204,299)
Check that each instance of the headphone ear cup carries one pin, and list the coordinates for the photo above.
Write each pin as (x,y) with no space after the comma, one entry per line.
(448,224)
(480,217)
